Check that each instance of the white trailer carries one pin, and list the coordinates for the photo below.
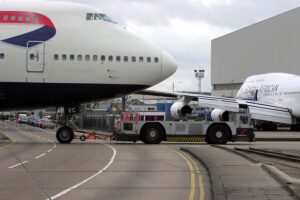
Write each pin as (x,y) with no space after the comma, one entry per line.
(153,132)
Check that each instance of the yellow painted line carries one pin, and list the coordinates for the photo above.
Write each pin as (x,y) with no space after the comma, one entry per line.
(192,172)
(201,186)
(193,182)
(12,141)
(193,168)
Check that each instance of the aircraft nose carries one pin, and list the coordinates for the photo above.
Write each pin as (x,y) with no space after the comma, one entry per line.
(169,65)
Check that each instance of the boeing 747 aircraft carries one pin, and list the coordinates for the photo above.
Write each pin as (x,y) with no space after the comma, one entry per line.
(272,97)
(64,54)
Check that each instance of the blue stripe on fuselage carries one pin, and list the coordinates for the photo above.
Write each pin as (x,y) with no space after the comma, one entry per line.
(42,34)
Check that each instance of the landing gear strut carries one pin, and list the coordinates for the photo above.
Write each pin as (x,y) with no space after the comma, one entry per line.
(65,134)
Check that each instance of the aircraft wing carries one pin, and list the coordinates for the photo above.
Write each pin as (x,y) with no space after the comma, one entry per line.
(259,110)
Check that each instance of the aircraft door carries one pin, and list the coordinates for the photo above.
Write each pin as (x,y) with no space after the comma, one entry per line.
(35,61)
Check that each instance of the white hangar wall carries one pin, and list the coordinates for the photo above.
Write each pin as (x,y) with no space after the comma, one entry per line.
(272,45)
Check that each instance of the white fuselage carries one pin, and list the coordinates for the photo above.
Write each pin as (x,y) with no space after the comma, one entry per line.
(277,88)
(57,44)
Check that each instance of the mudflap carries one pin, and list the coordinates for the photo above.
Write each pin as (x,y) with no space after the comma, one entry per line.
(245,134)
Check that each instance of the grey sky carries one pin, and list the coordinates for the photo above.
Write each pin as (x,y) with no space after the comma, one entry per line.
(186,28)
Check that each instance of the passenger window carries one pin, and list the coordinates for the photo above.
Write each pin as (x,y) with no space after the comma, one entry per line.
(35,19)
(31,56)
(13,18)
(87,57)
(79,57)
(95,57)
(5,17)
(102,58)
(110,58)
(133,58)
(156,59)
(141,59)
(118,58)
(125,58)
(27,18)
(20,18)
(64,57)
(56,57)
(72,57)
(1,56)
(148,59)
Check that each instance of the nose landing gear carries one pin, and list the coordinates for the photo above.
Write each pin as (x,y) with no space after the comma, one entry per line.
(65,134)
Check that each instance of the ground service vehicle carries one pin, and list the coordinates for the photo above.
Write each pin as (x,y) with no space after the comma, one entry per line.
(153,132)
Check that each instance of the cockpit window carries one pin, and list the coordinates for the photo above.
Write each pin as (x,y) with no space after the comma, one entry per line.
(89,16)
(106,18)
(98,16)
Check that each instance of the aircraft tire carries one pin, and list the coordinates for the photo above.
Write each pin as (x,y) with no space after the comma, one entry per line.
(218,134)
(65,135)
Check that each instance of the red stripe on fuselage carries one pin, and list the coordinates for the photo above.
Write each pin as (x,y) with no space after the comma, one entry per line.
(23,17)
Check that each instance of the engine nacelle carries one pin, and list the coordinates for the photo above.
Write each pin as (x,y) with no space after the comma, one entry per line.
(218,115)
(179,110)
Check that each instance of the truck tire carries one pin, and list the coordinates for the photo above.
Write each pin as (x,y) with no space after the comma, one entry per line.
(82,138)
(152,134)
(218,134)
(65,135)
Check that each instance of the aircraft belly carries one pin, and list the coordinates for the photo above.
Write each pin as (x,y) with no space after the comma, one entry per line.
(33,95)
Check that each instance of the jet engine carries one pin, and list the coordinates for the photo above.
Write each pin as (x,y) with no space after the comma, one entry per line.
(218,115)
(180,110)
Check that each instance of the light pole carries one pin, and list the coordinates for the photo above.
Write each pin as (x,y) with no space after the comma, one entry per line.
(199,74)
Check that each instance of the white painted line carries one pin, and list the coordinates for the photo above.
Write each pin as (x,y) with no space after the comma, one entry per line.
(40,156)
(89,178)
(17,164)
(49,150)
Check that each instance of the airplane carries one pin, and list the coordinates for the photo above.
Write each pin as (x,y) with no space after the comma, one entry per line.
(270,99)
(65,54)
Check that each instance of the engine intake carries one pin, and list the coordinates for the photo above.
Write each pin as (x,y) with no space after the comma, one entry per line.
(218,115)
(179,110)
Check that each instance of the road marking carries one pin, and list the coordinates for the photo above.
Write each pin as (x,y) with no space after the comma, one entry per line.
(12,141)
(18,164)
(193,168)
(192,191)
(43,154)
(200,179)
(89,178)
(49,150)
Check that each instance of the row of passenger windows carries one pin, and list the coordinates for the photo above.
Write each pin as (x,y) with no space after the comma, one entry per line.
(19,18)
(95,58)
(103,58)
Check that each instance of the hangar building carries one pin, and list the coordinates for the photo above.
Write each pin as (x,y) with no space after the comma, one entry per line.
(272,45)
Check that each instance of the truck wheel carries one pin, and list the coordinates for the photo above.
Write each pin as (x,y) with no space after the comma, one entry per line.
(152,134)
(218,134)
(64,135)
(82,138)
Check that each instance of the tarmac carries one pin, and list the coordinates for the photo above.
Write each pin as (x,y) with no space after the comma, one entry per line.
(234,177)
(280,136)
